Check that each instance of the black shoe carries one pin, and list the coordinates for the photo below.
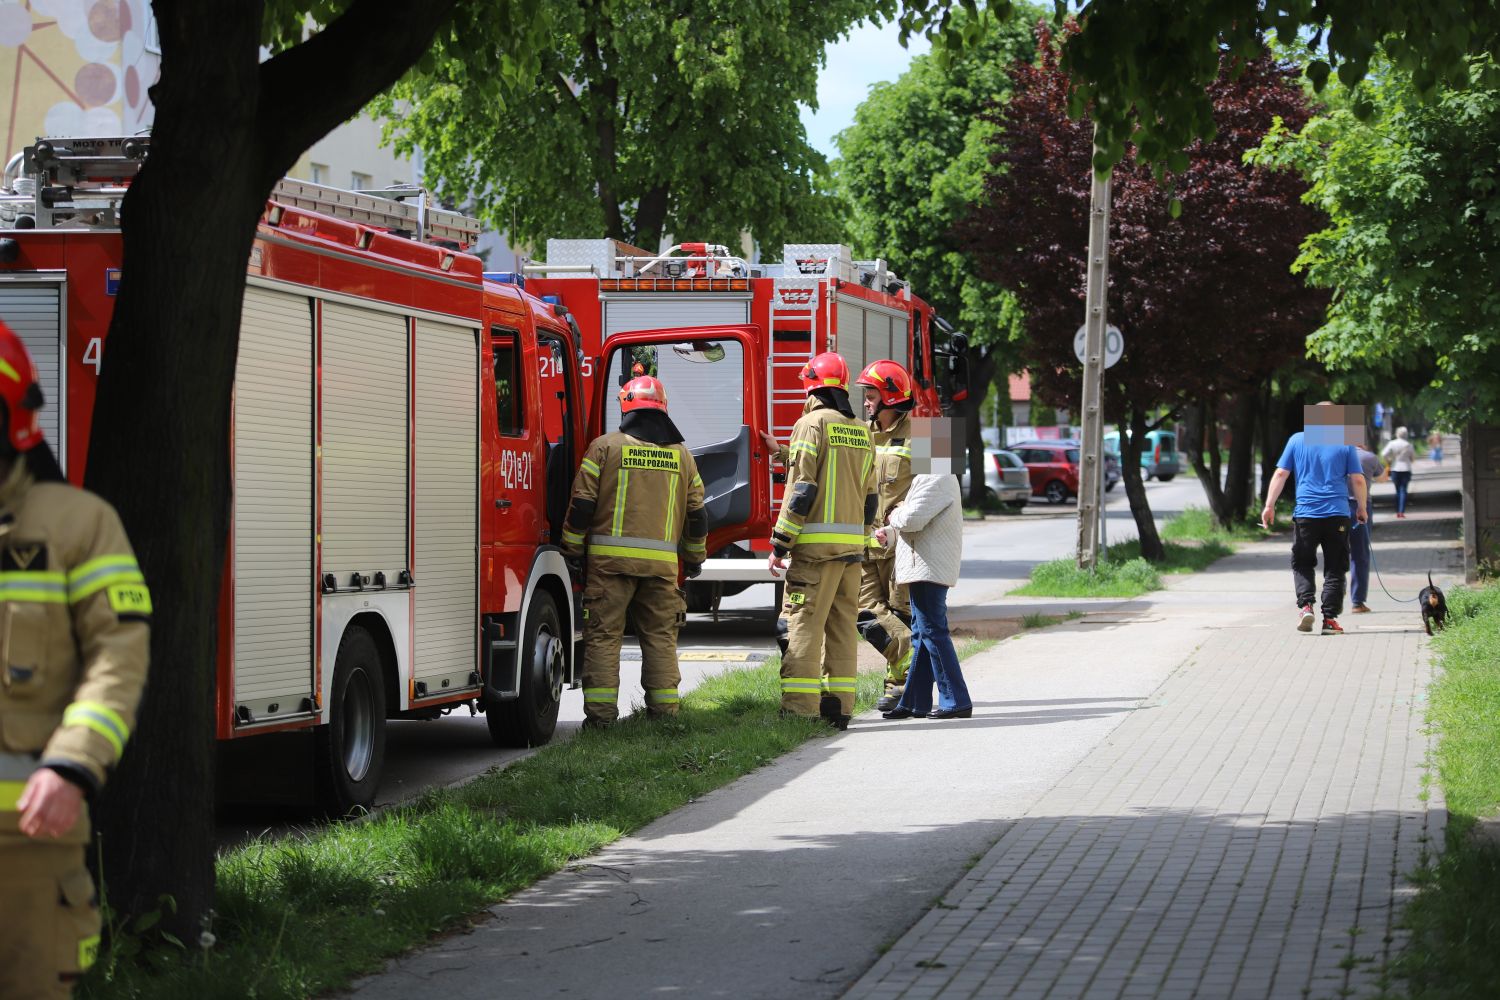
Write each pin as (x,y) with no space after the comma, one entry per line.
(902,713)
(829,708)
(592,723)
(951,713)
(887,703)
(839,722)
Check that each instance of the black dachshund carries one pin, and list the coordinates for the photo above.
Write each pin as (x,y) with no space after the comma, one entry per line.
(1434,605)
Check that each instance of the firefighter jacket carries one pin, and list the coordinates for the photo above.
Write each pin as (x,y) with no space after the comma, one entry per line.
(892,474)
(830,500)
(635,506)
(74,637)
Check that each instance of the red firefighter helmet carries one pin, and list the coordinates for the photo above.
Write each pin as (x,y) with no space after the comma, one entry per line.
(827,370)
(637,369)
(889,379)
(643,393)
(20,391)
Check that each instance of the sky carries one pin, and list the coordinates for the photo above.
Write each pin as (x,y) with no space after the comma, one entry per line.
(869,55)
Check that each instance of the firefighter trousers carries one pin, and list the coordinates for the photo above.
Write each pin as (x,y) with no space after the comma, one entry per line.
(818,618)
(884,619)
(657,609)
(49,934)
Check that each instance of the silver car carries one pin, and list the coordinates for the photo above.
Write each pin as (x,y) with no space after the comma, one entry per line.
(1004,475)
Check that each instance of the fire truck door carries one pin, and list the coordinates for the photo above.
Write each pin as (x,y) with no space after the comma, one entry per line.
(556,367)
(716,395)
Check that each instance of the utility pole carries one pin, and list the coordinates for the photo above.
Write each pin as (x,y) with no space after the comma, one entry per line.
(1091,468)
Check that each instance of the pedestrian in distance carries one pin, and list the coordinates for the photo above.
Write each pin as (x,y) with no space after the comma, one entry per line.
(884,608)
(1435,447)
(1326,466)
(1399,454)
(636,510)
(1359,535)
(927,533)
(75,633)
(823,529)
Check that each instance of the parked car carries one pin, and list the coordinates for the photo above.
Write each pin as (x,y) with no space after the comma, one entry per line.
(1004,475)
(1053,468)
(1111,461)
(1159,458)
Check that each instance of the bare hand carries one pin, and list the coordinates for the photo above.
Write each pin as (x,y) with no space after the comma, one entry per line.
(770,442)
(1362,515)
(880,535)
(1268,517)
(50,805)
(776,564)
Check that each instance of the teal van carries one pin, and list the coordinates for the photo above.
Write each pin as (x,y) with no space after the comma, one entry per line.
(1159,458)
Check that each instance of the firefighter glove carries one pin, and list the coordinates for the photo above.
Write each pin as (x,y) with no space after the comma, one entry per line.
(692,569)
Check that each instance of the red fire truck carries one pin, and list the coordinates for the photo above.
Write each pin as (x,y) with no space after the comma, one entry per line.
(817,299)
(405,434)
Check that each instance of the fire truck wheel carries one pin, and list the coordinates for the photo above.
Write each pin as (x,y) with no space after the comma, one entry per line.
(700,597)
(529,721)
(351,747)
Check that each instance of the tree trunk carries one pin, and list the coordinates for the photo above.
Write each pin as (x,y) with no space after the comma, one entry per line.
(1238,485)
(227,126)
(1203,435)
(981,374)
(1135,489)
(1270,450)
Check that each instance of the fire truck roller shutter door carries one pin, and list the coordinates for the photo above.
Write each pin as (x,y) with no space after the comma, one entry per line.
(851,334)
(672,309)
(365,488)
(706,400)
(446,464)
(273,502)
(34,312)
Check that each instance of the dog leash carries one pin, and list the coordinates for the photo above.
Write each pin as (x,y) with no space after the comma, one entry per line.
(1376,570)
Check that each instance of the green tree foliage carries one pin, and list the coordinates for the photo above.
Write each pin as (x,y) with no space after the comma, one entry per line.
(640,119)
(1144,67)
(1413,192)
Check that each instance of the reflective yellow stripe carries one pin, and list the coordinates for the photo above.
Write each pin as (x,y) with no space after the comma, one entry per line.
(8,371)
(832,480)
(841,684)
(806,446)
(590,466)
(802,685)
(895,450)
(572,537)
(631,553)
(788,528)
(600,694)
(101,719)
(695,548)
(864,471)
(671,506)
(664,696)
(10,794)
(697,481)
(96,574)
(34,586)
(618,525)
(831,538)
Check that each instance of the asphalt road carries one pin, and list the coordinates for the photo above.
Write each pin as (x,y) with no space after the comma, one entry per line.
(998,555)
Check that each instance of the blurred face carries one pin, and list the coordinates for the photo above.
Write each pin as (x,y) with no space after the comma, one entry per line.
(872,403)
(933,444)
(1327,423)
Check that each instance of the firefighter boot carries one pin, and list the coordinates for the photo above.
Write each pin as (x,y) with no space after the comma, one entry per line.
(659,611)
(50,934)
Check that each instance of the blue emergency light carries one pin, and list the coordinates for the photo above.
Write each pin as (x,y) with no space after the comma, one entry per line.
(506,278)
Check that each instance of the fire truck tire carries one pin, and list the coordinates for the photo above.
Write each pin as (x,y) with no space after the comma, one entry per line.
(529,721)
(700,597)
(350,749)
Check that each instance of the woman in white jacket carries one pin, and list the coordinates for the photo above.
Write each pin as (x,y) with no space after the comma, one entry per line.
(927,530)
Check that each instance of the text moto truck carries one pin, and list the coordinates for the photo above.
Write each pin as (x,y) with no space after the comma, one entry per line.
(405,435)
(817,299)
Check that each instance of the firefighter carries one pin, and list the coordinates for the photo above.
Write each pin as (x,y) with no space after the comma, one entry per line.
(824,526)
(74,630)
(637,505)
(884,611)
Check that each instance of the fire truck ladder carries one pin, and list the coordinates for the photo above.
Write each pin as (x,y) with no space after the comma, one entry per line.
(794,299)
(403,210)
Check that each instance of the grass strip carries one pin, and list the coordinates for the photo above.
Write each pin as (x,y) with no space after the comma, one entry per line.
(297,916)
(1122,572)
(1039,620)
(1455,918)
(1198,524)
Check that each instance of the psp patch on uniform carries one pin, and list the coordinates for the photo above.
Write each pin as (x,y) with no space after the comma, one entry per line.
(644,457)
(795,597)
(848,436)
(130,599)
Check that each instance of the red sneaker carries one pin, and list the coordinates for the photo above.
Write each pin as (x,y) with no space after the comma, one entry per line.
(1305,618)
(1331,626)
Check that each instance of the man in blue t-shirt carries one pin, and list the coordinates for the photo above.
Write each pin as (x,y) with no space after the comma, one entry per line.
(1328,473)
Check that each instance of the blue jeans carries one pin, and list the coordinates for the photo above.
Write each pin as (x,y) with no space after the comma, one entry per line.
(1359,559)
(933,656)
(1402,481)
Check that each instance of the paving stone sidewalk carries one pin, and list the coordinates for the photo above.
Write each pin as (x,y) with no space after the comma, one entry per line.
(1246,834)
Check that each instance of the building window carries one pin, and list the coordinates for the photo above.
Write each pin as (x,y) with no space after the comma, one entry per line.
(359,181)
(319,173)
